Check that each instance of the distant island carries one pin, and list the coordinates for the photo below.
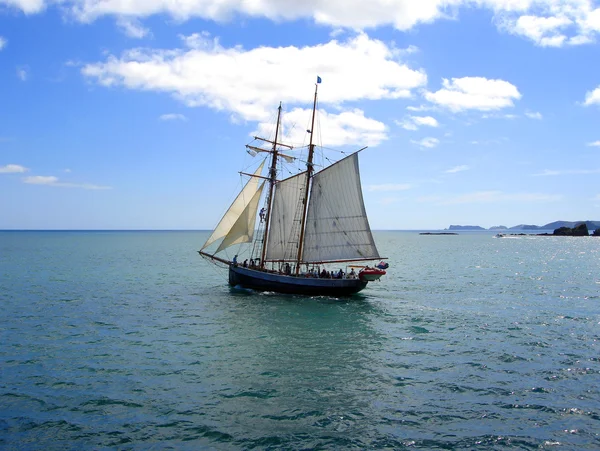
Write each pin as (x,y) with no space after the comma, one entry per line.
(591,225)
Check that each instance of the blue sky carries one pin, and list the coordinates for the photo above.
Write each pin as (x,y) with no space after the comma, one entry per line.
(133,114)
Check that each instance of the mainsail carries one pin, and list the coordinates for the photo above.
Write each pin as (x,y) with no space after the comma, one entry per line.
(337,227)
(235,225)
(284,234)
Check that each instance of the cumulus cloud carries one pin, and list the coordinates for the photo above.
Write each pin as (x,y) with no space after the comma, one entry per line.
(3,42)
(550,23)
(332,129)
(12,169)
(173,117)
(592,97)
(50,180)
(534,115)
(414,122)
(28,6)
(594,144)
(544,31)
(132,27)
(429,143)
(474,93)
(248,83)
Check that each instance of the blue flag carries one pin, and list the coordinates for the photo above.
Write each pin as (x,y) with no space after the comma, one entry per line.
(318,79)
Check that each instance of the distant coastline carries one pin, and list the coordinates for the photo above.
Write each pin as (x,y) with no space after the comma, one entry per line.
(591,225)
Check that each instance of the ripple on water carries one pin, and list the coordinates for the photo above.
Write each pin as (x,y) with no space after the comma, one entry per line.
(128,341)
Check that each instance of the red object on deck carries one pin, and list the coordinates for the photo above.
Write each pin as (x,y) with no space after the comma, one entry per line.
(371,274)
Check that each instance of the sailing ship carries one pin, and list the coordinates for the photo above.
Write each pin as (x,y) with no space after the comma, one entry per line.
(309,222)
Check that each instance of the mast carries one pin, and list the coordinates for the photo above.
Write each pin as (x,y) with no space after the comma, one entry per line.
(272,179)
(309,168)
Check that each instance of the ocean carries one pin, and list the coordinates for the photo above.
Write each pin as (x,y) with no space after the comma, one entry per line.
(131,341)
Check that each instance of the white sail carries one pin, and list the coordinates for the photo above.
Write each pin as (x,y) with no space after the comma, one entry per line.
(236,209)
(284,227)
(336,225)
(243,229)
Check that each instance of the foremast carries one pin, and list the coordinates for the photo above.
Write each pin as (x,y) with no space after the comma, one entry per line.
(309,170)
(272,180)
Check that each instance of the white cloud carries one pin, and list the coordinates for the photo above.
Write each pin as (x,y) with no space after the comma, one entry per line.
(27,6)
(419,108)
(425,120)
(476,93)
(41,180)
(592,97)
(12,169)
(132,27)
(427,142)
(3,42)
(534,115)
(50,180)
(544,22)
(456,169)
(173,117)
(23,73)
(248,83)
(499,116)
(390,187)
(414,122)
(594,144)
(200,40)
(346,128)
(544,31)
(402,14)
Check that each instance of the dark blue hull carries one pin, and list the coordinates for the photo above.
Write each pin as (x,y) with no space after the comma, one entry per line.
(265,281)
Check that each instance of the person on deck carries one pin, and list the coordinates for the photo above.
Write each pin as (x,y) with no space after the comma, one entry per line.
(262,214)
(234,261)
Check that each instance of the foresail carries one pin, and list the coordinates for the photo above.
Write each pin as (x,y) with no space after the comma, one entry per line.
(243,229)
(337,227)
(236,209)
(284,228)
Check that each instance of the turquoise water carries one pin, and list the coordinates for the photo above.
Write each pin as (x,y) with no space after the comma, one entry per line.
(129,340)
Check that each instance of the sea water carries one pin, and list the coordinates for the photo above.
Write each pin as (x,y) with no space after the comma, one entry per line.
(130,340)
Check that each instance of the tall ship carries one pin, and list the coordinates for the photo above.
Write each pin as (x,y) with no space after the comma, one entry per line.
(312,224)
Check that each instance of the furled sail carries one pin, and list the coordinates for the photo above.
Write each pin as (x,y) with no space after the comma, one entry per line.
(284,228)
(236,209)
(336,226)
(243,229)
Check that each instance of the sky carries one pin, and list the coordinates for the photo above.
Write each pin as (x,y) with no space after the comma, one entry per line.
(134,114)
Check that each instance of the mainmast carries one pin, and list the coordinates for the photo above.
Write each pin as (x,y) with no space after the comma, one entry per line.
(272,180)
(309,171)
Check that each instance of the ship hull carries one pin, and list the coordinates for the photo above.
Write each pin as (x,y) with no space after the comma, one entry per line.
(265,281)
